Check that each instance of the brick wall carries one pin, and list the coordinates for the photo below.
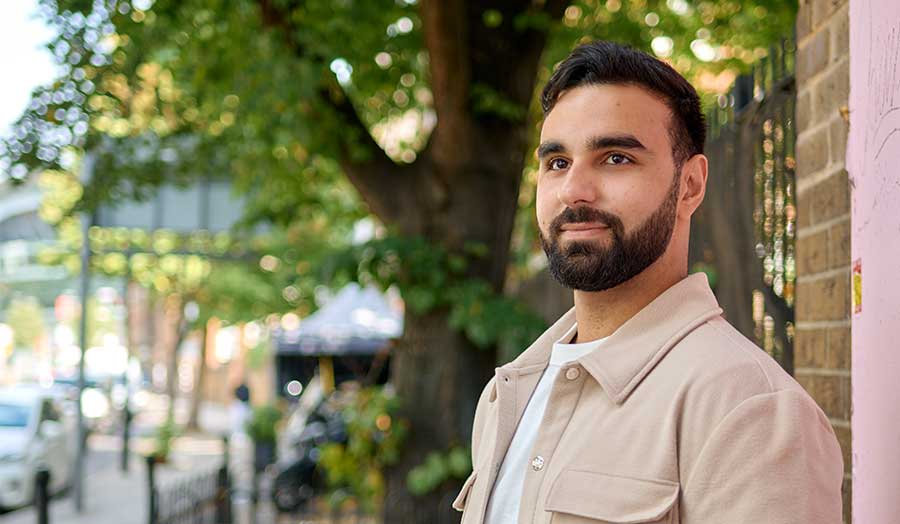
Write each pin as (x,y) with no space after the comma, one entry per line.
(822,345)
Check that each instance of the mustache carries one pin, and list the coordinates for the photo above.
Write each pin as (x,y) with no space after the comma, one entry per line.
(585,214)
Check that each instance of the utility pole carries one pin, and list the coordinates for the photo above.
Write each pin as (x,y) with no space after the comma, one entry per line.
(87,220)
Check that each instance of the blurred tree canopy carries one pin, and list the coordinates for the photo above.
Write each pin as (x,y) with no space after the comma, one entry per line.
(26,318)
(421,113)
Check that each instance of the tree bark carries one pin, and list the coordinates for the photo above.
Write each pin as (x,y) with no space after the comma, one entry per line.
(197,398)
(181,330)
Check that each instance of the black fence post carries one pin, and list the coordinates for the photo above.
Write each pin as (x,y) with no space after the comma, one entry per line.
(126,434)
(223,506)
(42,495)
(152,503)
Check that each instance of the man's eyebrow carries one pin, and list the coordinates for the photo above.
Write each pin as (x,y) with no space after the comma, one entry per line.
(594,143)
(548,148)
(621,141)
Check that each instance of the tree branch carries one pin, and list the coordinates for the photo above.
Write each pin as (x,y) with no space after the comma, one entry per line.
(388,188)
(447,40)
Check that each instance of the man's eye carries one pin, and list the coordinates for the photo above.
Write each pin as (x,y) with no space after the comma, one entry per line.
(557,164)
(617,159)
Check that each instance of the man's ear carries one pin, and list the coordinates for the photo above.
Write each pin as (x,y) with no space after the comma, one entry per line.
(693,182)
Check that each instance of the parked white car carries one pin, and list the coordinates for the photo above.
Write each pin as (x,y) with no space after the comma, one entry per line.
(33,436)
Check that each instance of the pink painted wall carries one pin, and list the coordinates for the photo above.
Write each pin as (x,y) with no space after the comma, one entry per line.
(873,163)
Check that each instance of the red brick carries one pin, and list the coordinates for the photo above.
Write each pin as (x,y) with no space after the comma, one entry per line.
(824,299)
(829,198)
(812,56)
(812,152)
(839,347)
(839,245)
(812,253)
(843,438)
(804,111)
(823,9)
(804,21)
(840,35)
(846,496)
(831,393)
(837,134)
(830,93)
(810,348)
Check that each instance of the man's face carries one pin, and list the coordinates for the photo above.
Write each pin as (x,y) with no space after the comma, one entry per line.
(607,192)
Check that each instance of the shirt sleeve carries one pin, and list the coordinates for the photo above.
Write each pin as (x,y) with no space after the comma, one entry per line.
(775,459)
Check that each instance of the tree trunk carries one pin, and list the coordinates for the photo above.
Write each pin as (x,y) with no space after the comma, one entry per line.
(193,423)
(181,329)
(466,191)
(439,376)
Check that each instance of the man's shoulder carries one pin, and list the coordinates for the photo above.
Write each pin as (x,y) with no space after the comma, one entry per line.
(721,369)
(723,356)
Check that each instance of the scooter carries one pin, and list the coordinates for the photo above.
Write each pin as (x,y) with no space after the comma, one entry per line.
(298,479)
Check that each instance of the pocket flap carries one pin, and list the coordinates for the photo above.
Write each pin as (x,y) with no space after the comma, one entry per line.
(460,503)
(612,498)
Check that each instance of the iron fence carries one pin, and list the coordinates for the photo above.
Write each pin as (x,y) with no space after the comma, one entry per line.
(201,498)
(744,233)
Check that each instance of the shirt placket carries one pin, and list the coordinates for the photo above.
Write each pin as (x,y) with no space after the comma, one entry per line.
(560,408)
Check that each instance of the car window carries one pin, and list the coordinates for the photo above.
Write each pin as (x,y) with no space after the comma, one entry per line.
(13,416)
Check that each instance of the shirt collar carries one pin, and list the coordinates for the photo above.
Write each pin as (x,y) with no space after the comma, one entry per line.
(629,354)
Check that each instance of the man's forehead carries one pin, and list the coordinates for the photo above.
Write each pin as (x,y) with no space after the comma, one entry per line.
(598,110)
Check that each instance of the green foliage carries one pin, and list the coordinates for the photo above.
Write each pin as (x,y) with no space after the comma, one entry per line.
(431,278)
(439,467)
(167,93)
(259,355)
(375,436)
(26,318)
(165,434)
(263,423)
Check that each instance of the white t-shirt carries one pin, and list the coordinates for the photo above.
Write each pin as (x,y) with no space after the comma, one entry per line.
(503,506)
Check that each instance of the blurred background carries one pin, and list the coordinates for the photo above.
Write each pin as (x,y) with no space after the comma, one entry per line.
(309,226)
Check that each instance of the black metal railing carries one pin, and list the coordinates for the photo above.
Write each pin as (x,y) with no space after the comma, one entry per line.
(744,233)
(201,498)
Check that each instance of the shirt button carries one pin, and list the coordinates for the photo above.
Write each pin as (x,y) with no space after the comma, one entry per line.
(572,373)
(538,463)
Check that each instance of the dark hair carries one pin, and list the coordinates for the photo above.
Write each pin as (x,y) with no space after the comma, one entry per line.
(601,62)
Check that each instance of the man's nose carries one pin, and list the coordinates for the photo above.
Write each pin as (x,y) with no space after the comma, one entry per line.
(579,186)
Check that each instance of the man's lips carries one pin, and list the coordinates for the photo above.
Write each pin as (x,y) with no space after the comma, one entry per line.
(583,229)
(583,226)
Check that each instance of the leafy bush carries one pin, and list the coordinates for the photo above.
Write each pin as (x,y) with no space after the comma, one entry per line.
(438,467)
(374,437)
(165,433)
(262,423)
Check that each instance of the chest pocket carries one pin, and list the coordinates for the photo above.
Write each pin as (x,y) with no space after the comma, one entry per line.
(587,497)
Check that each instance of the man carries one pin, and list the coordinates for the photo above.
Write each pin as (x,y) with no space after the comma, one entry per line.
(641,404)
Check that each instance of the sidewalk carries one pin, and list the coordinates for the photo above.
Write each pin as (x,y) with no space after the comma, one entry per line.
(114,497)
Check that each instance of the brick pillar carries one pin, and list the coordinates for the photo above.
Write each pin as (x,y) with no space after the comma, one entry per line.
(822,345)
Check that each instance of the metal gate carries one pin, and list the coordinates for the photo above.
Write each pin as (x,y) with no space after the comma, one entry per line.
(744,233)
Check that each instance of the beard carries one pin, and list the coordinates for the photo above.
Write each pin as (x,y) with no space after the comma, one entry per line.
(593,266)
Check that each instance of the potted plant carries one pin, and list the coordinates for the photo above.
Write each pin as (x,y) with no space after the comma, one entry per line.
(262,429)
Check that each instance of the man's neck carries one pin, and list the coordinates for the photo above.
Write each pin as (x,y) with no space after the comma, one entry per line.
(600,313)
